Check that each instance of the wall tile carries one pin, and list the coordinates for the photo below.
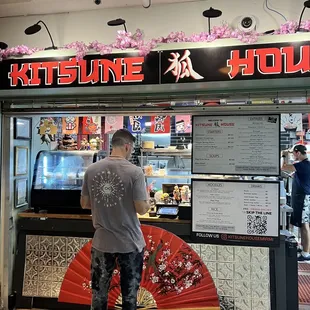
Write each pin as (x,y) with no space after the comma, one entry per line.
(225,287)
(242,289)
(208,253)
(225,254)
(242,254)
(212,267)
(243,304)
(259,304)
(45,289)
(225,271)
(260,290)
(242,271)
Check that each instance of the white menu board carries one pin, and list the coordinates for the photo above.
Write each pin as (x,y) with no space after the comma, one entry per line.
(236,211)
(238,145)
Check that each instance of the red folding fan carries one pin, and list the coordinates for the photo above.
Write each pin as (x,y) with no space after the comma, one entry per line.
(174,276)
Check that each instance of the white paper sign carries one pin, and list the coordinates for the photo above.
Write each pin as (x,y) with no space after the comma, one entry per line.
(237,210)
(239,145)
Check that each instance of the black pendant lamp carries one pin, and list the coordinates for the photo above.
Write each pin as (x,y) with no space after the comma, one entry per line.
(211,13)
(36,28)
(306,6)
(3,46)
(117,22)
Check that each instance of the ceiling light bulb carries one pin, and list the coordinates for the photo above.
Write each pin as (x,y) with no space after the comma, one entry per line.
(146,3)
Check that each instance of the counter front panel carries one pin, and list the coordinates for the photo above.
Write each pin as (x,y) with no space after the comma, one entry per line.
(241,274)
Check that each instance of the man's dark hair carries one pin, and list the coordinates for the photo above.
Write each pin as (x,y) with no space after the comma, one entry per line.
(122,137)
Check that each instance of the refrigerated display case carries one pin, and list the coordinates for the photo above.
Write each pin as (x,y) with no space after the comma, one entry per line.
(57,180)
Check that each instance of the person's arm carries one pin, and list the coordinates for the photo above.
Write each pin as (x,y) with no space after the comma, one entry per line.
(140,196)
(85,200)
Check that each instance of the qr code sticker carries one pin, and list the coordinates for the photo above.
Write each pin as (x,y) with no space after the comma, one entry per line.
(256,224)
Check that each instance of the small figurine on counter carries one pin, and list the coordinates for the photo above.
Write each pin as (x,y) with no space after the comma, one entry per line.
(185,193)
(95,143)
(152,201)
(165,198)
(176,194)
(84,143)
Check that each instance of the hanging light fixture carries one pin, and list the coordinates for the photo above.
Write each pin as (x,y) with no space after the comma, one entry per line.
(3,46)
(211,13)
(36,28)
(117,22)
(306,6)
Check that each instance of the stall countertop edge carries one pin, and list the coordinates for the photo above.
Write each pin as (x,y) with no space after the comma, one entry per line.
(144,218)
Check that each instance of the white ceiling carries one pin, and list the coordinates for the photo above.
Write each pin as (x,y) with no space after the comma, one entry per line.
(10,8)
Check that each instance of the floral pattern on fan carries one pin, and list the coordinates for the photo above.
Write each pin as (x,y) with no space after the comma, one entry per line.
(180,274)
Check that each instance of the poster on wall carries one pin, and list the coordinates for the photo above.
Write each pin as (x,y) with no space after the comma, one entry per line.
(136,124)
(113,123)
(291,122)
(70,125)
(91,125)
(236,212)
(48,129)
(183,124)
(236,145)
(160,124)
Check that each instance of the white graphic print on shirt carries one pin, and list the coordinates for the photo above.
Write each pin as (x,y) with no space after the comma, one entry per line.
(108,188)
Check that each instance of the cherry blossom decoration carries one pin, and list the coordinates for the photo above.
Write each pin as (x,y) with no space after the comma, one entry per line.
(127,40)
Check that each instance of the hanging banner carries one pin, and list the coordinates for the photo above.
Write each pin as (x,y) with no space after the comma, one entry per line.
(70,125)
(291,122)
(160,124)
(183,124)
(91,125)
(136,124)
(113,123)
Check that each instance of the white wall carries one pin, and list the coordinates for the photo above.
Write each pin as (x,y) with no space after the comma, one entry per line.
(157,21)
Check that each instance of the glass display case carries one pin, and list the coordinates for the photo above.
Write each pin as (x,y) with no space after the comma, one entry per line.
(58,178)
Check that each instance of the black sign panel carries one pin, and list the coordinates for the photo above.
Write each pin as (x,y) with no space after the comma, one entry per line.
(212,64)
(93,70)
(228,63)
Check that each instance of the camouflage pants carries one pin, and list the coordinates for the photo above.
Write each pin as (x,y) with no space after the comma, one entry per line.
(102,267)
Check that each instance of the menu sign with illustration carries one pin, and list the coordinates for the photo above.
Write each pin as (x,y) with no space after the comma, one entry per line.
(236,145)
(235,212)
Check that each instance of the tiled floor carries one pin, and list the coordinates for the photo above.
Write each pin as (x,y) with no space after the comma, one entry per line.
(305,272)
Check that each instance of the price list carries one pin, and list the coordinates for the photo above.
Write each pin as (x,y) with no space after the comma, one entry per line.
(235,211)
(240,145)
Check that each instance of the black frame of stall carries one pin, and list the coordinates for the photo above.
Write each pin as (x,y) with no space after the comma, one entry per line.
(53,226)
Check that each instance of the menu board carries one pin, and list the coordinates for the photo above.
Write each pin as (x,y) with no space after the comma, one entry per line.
(235,212)
(236,145)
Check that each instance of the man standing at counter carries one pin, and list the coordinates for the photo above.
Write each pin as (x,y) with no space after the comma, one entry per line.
(301,197)
(115,190)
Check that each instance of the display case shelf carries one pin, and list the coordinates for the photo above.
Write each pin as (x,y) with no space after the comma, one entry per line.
(58,178)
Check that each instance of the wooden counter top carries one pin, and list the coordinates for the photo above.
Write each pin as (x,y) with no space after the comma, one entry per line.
(143,218)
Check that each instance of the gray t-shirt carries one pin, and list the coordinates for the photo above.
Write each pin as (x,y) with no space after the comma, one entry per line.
(112,186)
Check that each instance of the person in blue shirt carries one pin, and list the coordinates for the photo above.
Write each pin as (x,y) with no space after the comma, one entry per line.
(301,198)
